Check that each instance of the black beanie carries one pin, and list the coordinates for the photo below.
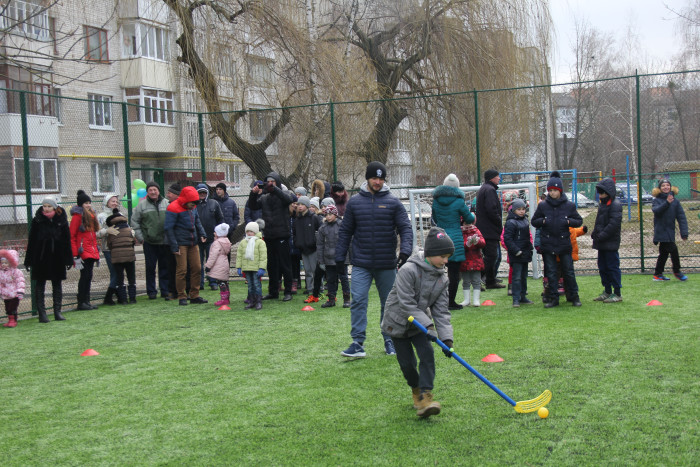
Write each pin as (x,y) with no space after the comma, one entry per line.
(83,198)
(337,187)
(555,182)
(375,169)
(175,189)
(490,173)
(152,183)
(438,243)
(664,180)
(221,185)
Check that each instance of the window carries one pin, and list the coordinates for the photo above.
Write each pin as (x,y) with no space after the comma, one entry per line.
(260,71)
(569,128)
(151,106)
(260,123)
(26,16)
(100,111)
(104,177)
(233,173)
(22,79)
(96,44)
(43,175)
(142,40)
(192,134)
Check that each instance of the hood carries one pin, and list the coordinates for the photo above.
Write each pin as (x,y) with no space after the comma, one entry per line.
(202,186)
(11,256)
(657,192)
(608,186)
(365,190)
(512,215)
(276,177)
(76,210)
(188,195)
(340,198)
(446,195)
(318,188)
(107,197)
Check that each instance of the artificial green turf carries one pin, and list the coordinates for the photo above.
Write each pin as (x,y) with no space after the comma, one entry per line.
(198,386)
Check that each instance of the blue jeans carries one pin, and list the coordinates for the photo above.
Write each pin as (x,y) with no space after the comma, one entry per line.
(519,281)
(110,267)
(567,272)
(156,255)
(609,269)
(359,288)
(254,283)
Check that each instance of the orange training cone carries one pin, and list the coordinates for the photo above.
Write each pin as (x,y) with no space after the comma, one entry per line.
(488,303)
(224,307)
(89,353)
(492,358)
(308,308)
(654,303)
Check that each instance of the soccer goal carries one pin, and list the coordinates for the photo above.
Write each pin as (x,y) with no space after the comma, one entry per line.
(420,204)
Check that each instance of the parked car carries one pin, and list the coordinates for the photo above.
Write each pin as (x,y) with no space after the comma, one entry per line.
(581,200)
(623,195)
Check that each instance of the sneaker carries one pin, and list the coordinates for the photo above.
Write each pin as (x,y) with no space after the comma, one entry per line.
(526,301)
(661,277)
(602,297)
(152,296)
(311,299)
(495,285)
(198,300)
(355,350)
(516,304)
(613,299)
(680,276)
(389,348)
(183,302)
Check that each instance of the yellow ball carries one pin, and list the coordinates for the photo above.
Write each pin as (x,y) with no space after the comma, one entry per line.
(543,412)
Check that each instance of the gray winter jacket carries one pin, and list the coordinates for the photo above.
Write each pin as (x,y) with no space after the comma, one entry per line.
(326,241)
(420,290)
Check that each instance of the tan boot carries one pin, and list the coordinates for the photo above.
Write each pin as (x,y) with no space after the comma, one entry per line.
(416,398)
(427,406)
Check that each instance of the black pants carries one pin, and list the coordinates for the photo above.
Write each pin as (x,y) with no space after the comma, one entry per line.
(665,249)
(295,260)
(129,268)
(85,281)
(319,274)
(453,276)
(418,375)
(491,250)
(332,276)
(279,265)
(40,291)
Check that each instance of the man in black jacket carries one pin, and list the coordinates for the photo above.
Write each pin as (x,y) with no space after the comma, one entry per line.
(274,203)
(210,215)
(489,221)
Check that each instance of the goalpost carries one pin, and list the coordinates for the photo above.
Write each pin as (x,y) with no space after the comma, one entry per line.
(421,202)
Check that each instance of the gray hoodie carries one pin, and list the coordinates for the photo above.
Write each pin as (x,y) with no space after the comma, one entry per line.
(420,290)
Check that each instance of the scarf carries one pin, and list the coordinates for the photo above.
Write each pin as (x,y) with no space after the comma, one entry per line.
(49,215)
(250,248)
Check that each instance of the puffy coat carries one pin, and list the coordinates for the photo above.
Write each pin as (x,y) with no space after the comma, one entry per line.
(83,241)
(148,220)
(182,226)
(448,211)
(12,279)
(305,228)
(665,216)
(229,210)
(517,237)
(473,258)
(420,290)
(370,224)
(102,220)
(218,259)
(210,215)
(554,217)
(607,230)
(275,209)
(327,241)
(122,245)
(259,260)
(489,212)
(49,246)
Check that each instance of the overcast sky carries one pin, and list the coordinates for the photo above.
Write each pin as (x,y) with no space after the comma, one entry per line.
(652,22)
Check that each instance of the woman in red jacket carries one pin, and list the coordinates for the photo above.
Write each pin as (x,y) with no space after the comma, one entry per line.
(83,238)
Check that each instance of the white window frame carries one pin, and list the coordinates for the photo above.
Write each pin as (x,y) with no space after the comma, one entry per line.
(43,163)
(29,17)
(97,188)
(152,109)
(97,102)
(233,173)
(146,41)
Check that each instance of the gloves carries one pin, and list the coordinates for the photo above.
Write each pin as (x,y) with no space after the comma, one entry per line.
(112,230)
(322,266)
(448,353)
(239,272)
(403,257)
(585,229)
(207,269)
(20,296)
(432,334)
(261,272)
(519,253)
(78,263)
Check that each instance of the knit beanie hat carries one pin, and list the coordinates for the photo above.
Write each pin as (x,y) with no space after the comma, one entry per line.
(438,243)
(451,180)
(337,187)
(305,201)
(222,229)
(517,204)
(152,183)
(332,210)
(325,202)
(555,182)
(375,169)
(83,198)
(664,180)
(300,191)
(175,189)
(252,227)
(221,185)
(490,173)
(261,224)
(314,202)
(50,200)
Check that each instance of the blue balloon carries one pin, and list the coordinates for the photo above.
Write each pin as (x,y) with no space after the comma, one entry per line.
(141,192)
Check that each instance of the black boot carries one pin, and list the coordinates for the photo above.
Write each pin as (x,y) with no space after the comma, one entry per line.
(121,295)
(108,296)
(346,300)
(132,293)
(258,302)
(40,302)
(58,304)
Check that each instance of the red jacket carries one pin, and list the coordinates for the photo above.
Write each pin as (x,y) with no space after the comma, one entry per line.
(474,260)
(81,237)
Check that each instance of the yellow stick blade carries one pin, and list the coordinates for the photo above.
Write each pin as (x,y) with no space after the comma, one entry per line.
(534,404)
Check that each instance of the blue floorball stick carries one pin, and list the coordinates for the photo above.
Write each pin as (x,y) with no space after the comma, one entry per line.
(520,407)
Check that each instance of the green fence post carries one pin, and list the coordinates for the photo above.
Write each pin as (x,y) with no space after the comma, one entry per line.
(335,161)
(639,173)
(27,175)
(476,130)
(203,167)
(127,158)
